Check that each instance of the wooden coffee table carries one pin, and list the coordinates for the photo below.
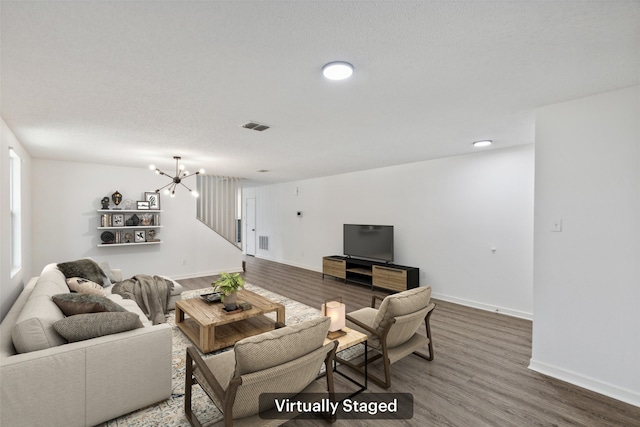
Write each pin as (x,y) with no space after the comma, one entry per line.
(211,328)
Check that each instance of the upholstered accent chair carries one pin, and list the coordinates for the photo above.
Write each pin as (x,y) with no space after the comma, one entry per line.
(286,360)
(392,329)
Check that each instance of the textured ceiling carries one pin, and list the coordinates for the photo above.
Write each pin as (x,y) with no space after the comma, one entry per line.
(133,83)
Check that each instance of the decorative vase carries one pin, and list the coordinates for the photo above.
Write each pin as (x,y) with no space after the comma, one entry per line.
(230,301)
(145,219)
(134,220)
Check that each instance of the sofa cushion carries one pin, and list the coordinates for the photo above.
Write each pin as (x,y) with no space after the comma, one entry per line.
(34,327)
(85,268)
(131,306)
(280,345)
(92,325)
(72,304)
(84,286)
(49,287)
(51,273)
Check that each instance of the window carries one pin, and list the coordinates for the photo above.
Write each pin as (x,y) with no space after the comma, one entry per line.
(14,206)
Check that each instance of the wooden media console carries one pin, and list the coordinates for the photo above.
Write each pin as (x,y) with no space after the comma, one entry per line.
(371,273)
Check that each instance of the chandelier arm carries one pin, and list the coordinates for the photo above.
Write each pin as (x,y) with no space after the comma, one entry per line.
(185,186)
(158,190)
(191,174)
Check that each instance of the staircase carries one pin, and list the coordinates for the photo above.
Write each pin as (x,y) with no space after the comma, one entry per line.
(219,205)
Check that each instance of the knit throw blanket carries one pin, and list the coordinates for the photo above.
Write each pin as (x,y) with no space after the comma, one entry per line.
(152,294)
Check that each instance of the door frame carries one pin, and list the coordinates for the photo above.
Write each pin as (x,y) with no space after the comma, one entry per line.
(250,226)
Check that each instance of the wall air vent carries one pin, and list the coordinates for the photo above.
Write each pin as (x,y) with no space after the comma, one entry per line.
(255,126)
(263,242)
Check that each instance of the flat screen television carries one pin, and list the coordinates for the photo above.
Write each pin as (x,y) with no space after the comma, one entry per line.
(369,241)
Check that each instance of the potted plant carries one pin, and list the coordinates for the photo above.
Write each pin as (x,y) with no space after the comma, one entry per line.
(228,284)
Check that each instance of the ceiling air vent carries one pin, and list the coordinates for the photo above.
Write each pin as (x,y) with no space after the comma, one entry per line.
(255,126)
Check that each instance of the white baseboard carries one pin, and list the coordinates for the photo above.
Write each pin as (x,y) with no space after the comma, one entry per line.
(461,301)
(292,264)
(206,273)
(483,306)
(624,395)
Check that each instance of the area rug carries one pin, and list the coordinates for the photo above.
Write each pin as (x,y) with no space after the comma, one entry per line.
(170,413)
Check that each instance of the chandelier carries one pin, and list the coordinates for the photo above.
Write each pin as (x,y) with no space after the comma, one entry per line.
(181,174)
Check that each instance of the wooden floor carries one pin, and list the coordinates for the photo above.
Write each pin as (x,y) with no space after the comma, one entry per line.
(479,376)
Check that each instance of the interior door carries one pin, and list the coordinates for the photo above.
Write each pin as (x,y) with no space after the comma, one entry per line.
(250,231)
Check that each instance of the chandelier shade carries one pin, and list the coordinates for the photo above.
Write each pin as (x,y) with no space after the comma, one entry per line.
(180,175)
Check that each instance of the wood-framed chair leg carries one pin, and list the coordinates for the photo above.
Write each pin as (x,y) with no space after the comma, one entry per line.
(188,384)
(427,326)
(387,363)
(328,369)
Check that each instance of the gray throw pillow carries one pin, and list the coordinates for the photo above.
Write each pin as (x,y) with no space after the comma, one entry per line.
(106,268)
(72,304)
(92,325)
(85,268)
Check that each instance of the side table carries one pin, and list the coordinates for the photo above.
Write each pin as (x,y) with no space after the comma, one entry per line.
(349,340)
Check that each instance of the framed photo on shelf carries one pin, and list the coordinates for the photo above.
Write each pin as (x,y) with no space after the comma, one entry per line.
(153,199)
(140,236)
(117,220)
(142,205)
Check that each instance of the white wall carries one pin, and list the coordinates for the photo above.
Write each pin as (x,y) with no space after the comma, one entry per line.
(67,195)
(448,214)
(587,277)
(10,287)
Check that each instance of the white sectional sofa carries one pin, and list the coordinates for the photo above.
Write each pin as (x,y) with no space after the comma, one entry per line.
(81,383)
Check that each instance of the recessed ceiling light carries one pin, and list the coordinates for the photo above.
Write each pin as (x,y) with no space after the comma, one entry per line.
(484,143)
(263,170)
(338,70)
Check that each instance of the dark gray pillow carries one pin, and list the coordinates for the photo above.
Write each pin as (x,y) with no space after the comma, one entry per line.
(106,268)
(85,268)
(72,304)
(92,325)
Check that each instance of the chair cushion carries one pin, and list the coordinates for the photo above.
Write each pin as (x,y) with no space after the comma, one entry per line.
(280,345)
(400,304)
(221,366)
(365,315)
(287,380)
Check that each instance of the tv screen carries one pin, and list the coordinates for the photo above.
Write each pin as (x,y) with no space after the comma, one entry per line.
(369,241)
